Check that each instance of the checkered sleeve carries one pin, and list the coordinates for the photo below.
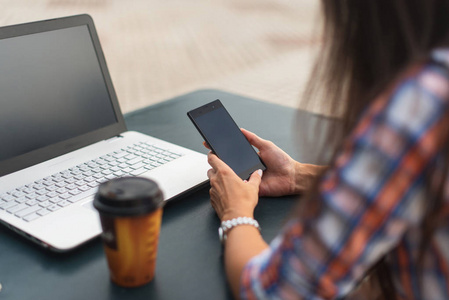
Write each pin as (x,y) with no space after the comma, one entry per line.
(369,199)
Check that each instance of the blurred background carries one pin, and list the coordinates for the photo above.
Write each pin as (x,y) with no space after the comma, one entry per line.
(158,49)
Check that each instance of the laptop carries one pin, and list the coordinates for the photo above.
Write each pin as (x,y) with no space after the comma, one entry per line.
(63,134)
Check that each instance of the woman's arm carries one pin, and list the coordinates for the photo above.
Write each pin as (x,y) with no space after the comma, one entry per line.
(305,176)
(232,198)
(243,243)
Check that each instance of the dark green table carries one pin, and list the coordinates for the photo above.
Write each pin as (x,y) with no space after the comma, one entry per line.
(190,260)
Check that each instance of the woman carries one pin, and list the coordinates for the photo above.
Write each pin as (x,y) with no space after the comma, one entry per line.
(381,208)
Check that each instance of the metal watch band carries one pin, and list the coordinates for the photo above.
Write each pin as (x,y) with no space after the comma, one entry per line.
(227,225)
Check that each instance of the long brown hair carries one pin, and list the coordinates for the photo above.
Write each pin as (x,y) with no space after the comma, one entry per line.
(366,45)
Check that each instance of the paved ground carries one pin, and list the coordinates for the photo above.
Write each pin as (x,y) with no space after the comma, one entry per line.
(157,49)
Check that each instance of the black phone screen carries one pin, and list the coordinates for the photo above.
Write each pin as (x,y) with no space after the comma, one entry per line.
(225,138)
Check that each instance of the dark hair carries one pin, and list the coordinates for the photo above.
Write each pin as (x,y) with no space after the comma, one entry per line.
(366,46)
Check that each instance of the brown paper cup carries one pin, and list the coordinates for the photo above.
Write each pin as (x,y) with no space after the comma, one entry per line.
(130,214)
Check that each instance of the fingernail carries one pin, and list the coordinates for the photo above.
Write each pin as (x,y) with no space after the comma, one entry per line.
(259,172)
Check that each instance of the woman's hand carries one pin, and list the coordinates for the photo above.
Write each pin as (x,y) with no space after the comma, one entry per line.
(280,176)
(230,196)
(284,175)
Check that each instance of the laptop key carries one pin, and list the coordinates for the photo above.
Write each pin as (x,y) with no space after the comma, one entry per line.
(55,200)
(64,203)
(93,184)
(41,192)
(62,190)
(71,186)
(138,171)
(28,190)
(82,195)
(31,217)
(53,207)
(21,199)
(134,161)
(16,208)
(7,205)
(115,169)
(119,173)
(101,162)
(61,184)
(7,197)
(137,166)
(32,196)
(58,179)
(98,176)
(43,212)
(18,194)
(162,161)
(120,154)
(38,186)
(27,211)
(107,172)
(45,204)
(75,192)
(80,183)
(67,175)
(71,180)
(127,170)
(130,156)
(89,179)
(48,183)
(31,202)
(41,198)
(52,188)
(97,170)
(52,194)
(84,188)
(76,172)
(65,196)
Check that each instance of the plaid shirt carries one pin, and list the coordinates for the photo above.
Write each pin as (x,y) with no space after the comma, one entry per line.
(373,202)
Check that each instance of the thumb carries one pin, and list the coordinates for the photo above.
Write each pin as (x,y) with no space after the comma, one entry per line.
(253,139)
(256,178)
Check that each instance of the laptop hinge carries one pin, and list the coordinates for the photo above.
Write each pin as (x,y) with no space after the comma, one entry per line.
(114,138)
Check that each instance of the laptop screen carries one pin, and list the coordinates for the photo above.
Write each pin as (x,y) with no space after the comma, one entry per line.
(51,89)
(56,94)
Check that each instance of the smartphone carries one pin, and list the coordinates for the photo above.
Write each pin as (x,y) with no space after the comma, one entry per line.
(225,139)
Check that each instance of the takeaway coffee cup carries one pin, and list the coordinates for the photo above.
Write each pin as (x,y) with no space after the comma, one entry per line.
(130,212)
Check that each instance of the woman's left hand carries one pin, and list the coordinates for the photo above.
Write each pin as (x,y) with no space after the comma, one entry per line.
(230,196)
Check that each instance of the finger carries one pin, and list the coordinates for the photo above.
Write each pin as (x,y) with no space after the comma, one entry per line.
(215,162)
(206,145)
(210,173)
(253,139)
(256,178)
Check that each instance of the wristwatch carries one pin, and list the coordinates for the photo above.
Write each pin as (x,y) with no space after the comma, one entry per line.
(227,225)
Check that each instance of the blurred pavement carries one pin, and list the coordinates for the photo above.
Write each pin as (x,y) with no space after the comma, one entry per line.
(158,49)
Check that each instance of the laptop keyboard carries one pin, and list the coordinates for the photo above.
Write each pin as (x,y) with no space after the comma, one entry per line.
(49,194)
